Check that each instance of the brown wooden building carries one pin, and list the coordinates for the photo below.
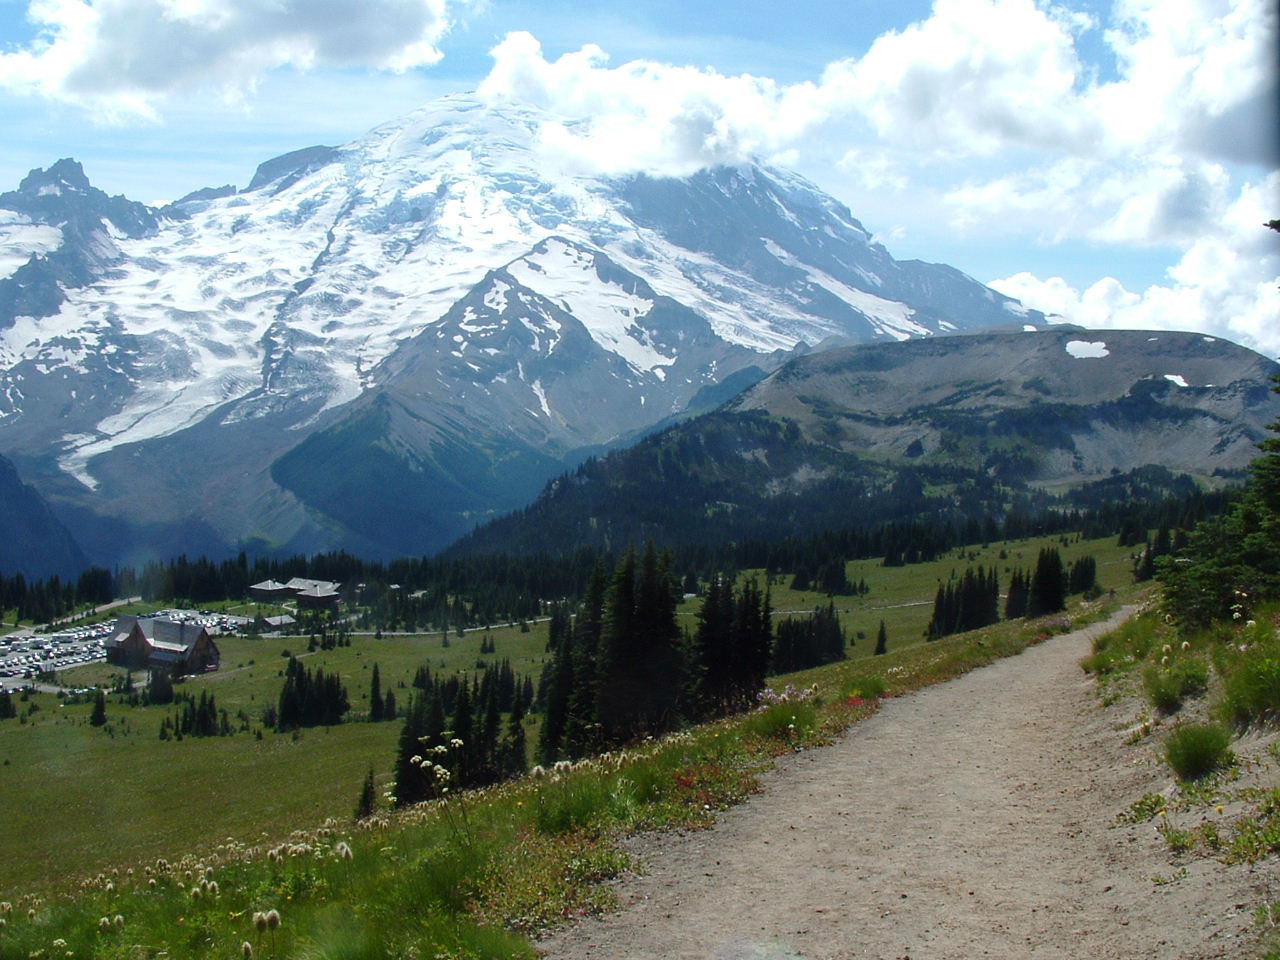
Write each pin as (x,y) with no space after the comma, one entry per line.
(155,643)
(309,594)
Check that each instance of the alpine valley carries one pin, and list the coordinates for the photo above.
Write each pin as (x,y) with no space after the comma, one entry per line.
(382,346)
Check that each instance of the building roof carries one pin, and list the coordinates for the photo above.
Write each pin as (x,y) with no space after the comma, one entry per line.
(270,586)
(313,587)
(162,634)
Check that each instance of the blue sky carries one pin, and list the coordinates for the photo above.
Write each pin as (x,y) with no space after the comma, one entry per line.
(1110,160)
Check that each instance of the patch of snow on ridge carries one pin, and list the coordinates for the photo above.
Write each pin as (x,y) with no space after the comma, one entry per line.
(20,237)
(541,395)
(889,316)
(1176,378)
(1087,349)
(496,298)
(567,275)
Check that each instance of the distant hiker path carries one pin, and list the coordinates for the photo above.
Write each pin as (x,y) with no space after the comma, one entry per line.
(970,819)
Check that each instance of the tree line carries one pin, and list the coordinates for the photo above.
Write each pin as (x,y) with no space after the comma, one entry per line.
(307,699)
(973,601)
(457,590)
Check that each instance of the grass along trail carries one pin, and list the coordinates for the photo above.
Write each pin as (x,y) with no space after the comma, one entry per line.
(969,819)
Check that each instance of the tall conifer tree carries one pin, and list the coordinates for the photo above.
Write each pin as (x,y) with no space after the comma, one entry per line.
(376,703)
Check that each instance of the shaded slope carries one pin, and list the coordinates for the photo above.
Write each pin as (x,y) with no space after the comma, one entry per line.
(949,430)
(32,540)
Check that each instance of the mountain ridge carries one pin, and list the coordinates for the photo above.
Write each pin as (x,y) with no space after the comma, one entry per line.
(947,430)
(183,352)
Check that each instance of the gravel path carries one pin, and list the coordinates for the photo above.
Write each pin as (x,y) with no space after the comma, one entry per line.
(971,819)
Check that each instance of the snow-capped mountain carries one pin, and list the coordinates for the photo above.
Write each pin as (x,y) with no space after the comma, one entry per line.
(432,294)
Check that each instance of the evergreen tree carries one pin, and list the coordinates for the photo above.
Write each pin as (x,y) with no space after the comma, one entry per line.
(410,783)
(513,760)
(616,692)
(376,704)
(882,641)
(1047,592)
(582,728)
(7,708)
(1231,563)
(423,729)
(557,695)
(638,665)
(463,727)
(489,730)
(713,651)
(940,621)
(1144,565)
(159,687)
(389,706)
(658,634)
(804,642)
(98,717)
(1015,604)
(1083,575)
(973,602)
(367,805)
(753,643)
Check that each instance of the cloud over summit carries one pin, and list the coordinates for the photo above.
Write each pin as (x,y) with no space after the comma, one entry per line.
(123,57)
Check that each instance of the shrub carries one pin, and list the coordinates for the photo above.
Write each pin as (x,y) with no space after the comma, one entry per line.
(1197,749)
(867,688)
(1168,686)
(1251,688)
(786,723)
(1120,649)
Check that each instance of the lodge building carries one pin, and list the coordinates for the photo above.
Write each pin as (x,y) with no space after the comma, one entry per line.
(309,594)
(155,643)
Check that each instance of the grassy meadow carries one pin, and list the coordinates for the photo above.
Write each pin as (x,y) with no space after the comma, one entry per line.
(76,800)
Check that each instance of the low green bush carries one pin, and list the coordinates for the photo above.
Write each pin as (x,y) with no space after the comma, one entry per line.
(1195,750)
(1251,687)
(1168,685)
(1119,650)
(783,722)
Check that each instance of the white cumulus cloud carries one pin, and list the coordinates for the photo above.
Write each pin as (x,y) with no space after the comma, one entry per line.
(984,118)
(645,115)
(1227,282)
(123,57)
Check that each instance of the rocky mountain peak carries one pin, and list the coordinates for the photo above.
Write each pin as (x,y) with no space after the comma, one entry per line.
(64,174)
(506,307)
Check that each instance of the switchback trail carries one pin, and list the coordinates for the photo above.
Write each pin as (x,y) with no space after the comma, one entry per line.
(975,818)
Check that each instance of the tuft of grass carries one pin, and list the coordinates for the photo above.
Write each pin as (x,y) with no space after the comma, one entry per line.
(1121,650)
(1257,835)
(1251,684)
(784,723)
(1195,750)
(1168,685)
(1144,808)
(1179,839)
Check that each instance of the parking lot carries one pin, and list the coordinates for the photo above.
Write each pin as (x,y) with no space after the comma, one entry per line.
(25,656)
(22,658)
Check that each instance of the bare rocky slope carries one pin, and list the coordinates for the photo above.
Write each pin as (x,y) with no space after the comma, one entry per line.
(946,430)
(436,303)
(971,819)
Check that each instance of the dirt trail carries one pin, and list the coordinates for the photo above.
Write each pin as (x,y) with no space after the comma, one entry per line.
(971,819)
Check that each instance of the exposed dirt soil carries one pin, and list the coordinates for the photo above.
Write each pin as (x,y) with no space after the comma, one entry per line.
(976,818)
